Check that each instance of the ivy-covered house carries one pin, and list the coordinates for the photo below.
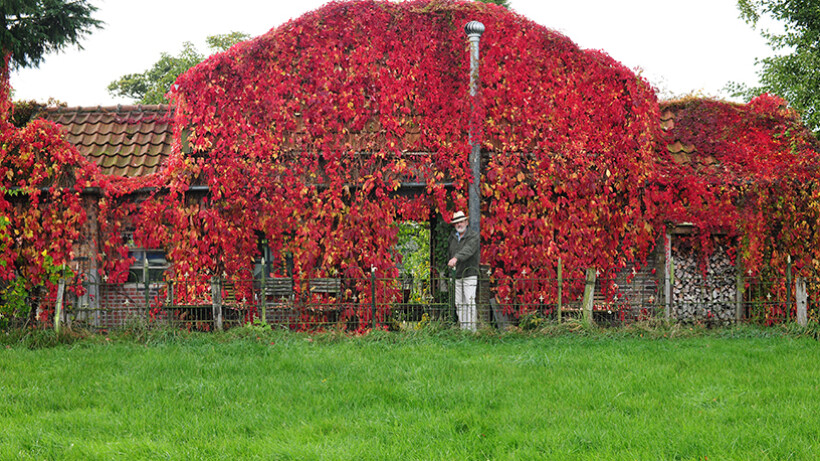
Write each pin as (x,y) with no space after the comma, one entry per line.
(319,136)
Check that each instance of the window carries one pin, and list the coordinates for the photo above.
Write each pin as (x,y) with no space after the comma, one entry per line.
(281,264)
(155,268)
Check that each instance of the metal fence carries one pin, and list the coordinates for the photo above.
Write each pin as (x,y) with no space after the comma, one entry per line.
(361,304)
(351,304)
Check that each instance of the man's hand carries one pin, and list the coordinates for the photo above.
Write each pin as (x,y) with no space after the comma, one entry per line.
(452,263)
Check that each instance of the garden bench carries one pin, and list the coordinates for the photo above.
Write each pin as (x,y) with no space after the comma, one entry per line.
(329,286)
(278,292)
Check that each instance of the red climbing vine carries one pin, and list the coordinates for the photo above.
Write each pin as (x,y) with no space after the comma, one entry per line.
(750,172)
(305,136)
(753,174)
(41,209)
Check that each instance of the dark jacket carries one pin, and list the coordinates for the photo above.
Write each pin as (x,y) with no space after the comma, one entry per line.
(466,252)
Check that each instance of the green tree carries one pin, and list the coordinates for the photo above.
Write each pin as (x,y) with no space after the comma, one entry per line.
(793,71)
(33,28)
(414,247)
(504,3)
(221,42)
(149,87)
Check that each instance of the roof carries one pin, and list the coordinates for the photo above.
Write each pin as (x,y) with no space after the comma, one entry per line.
(129,141)
(135,140)
(762,140)
(682,153)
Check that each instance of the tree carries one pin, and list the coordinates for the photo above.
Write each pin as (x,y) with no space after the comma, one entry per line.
(504,3)
(792,71)
(149,87)
(32,28)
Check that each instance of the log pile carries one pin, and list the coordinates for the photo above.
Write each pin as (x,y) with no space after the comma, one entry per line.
(708,297)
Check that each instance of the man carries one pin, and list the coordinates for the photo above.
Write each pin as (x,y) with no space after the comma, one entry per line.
(463,251)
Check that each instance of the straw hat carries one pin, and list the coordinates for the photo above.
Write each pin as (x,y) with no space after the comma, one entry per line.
(458,217)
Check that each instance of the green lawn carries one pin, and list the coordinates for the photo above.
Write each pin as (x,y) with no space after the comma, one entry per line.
(739,394)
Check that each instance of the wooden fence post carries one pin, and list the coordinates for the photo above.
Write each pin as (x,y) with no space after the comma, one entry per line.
(94,297)
(589,294)
(216,299)
(58,306)
(801,299)
(788,308)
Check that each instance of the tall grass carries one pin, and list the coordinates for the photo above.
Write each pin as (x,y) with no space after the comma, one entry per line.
(252,394)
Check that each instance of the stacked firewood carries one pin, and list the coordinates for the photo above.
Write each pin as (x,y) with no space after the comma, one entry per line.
(699,296)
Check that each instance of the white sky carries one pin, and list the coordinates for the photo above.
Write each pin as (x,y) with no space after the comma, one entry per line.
(679,46)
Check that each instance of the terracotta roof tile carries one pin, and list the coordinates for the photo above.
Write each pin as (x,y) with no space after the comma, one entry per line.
(668,120)
(678,146)
(682,153)
(123,140)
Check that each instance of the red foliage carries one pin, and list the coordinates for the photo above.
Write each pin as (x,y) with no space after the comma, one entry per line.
(42,214)
(41,177)
(753,173)
(305,133)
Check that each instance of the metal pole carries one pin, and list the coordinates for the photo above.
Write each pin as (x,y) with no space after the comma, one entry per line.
(452,294)
(738,289)
(372,297)
(474,29)
(146,275)
(668,281)
(263,304)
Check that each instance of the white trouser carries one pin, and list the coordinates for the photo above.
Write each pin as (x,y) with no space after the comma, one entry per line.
(465,302)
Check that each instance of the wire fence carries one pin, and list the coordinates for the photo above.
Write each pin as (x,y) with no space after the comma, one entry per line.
(361,304)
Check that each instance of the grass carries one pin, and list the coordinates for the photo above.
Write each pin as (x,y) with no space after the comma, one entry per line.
(251,394)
